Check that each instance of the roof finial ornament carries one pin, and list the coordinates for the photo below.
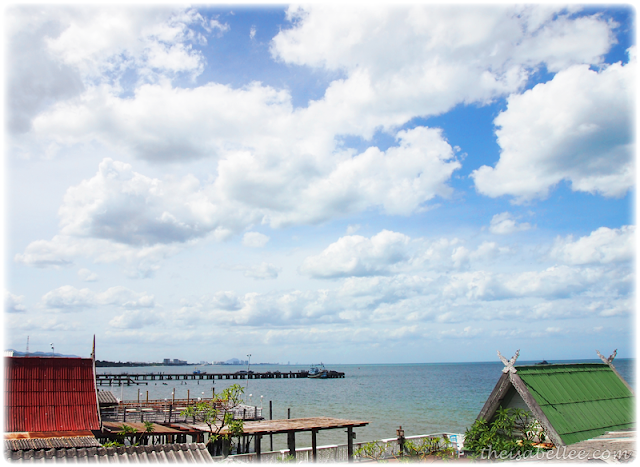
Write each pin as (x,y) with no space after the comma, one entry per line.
(607,360)
(508,364)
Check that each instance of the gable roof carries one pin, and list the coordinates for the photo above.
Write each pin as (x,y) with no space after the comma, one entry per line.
(47,394)
(573,402)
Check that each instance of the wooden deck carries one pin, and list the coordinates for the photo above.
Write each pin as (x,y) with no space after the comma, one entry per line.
(293,426)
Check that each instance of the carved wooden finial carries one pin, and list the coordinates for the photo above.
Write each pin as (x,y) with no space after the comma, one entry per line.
(508,364)
(607,360)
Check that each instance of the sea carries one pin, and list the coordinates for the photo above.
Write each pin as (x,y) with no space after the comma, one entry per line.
(421,398)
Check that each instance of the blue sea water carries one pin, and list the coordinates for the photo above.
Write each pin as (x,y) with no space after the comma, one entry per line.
(422,398)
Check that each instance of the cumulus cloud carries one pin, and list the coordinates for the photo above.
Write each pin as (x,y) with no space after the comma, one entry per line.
(392,253)
(87,275)
(133,319)
(72,49)
(358,256)
(503,224)
(576,127)
(553,282)
(13,303)
(410,61)
(601,246)
(122,215)
(70,298)
(254,239)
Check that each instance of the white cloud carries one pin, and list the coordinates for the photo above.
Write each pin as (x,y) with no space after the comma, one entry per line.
(262,271)
(70,298)
(601,246)
(111,39)
(402,62)
(87,276)
(353,228)
(122,215)
(576,127)
(254,239)
(57,53)
(133,319)
(13,303)
(504,224)
(358,256)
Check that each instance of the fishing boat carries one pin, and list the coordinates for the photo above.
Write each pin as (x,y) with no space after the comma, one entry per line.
(318,371)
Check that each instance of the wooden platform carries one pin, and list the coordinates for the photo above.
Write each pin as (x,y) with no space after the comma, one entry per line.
(293,426)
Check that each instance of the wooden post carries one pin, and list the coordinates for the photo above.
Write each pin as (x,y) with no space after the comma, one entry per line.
(291,442)
(314,446)
(289,413)
(270,418)
(400,434)
(258,447)
(147,397)
(350,444)
(188,398)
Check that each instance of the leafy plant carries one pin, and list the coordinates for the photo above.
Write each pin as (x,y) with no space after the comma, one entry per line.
(373,450)
(217,415)
(436,447)
(511,434)
(112,444)
(125,431)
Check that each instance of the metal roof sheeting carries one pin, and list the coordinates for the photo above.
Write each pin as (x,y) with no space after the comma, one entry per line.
(49,443)
(106,398)
(50,394)
(161,454)
(581,401)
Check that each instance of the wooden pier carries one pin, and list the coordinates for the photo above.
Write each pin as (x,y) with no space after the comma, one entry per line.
(144,378)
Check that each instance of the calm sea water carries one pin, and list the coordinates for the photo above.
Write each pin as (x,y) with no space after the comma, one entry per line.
(423,398)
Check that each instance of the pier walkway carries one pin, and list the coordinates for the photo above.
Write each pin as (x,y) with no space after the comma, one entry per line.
(143,378)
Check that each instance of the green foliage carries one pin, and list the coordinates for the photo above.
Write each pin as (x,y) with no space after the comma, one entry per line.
(287,459)
(216,413)
(511,433)
(373,450)
(112,444)
(414,451)
(436,447)
(126,430)
(148,427)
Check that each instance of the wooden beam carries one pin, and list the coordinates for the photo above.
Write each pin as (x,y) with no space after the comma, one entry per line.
(350,444)
(496,396)
(258,447)
(314,445)
(535,408)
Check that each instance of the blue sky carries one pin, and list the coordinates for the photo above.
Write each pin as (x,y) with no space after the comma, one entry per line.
(321,183)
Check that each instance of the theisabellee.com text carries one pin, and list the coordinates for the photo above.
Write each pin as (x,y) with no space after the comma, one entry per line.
(562,453)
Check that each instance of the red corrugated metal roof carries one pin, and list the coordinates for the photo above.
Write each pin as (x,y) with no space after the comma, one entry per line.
(50,394)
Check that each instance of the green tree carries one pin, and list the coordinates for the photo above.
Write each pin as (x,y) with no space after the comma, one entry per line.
(217,414)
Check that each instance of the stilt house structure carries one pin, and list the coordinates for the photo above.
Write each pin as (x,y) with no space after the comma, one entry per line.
(572,402)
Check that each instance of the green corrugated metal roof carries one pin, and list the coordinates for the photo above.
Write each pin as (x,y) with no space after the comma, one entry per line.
(581,400)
